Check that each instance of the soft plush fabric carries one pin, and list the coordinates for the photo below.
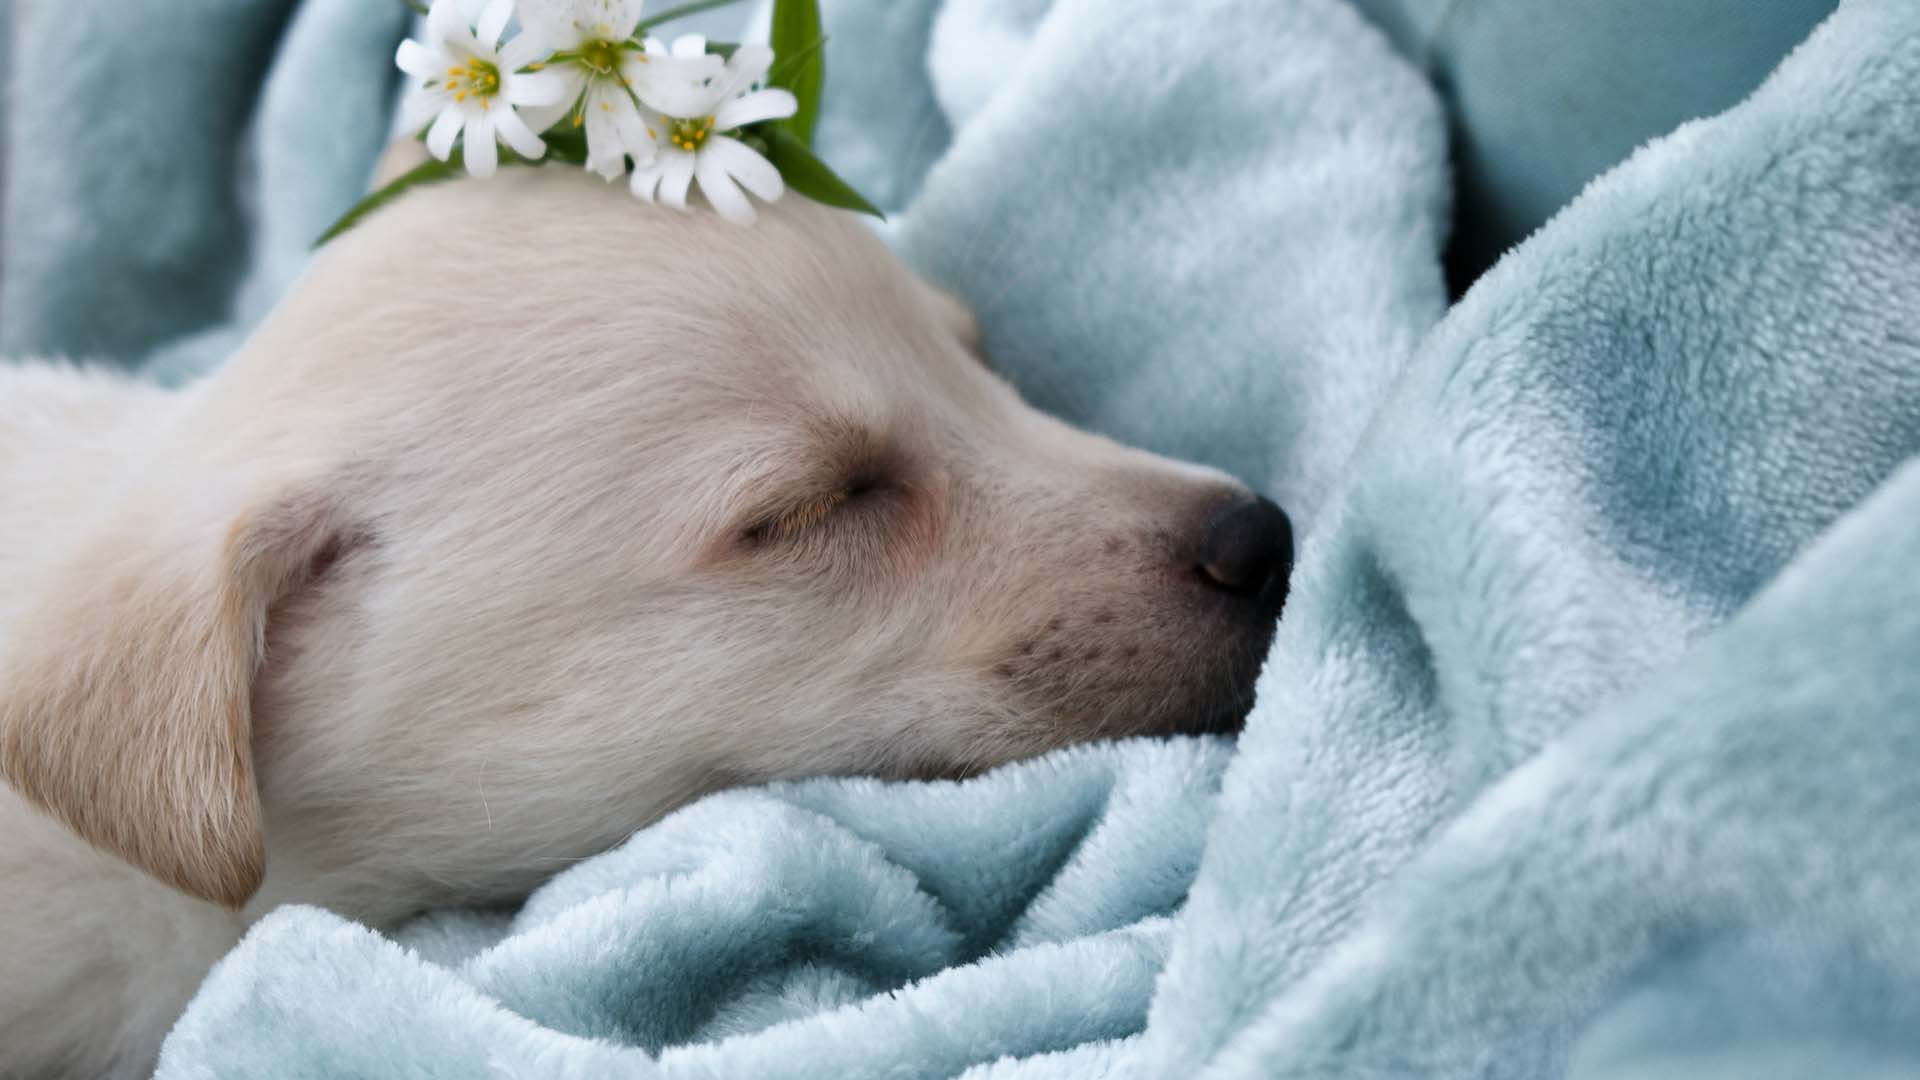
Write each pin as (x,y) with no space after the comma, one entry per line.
(1547,94)
(168,165)
(1507,758)
(1588,746)
(760,933)
(1207,228)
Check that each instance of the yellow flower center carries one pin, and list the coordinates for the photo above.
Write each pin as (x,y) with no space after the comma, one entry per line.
(600,56)
(690,134)
(477,79)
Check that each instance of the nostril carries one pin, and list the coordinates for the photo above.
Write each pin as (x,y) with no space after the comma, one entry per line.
(1246,546)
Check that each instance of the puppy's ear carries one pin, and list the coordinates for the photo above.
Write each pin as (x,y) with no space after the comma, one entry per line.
(399,156)
(125,696)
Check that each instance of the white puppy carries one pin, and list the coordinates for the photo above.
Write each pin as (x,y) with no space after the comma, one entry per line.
(531,514)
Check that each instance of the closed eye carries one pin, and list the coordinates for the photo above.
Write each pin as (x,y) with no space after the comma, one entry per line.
(797,521)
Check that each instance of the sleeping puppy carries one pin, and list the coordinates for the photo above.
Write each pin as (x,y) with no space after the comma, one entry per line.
(531,514)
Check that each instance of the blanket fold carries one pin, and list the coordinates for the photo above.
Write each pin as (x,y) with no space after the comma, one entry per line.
(1608,445)
(719,939)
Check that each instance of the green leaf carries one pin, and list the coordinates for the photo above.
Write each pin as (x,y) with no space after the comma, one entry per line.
(796,32)
(564,141)
(788,65)
(807,174)
(681,12)
(431,171)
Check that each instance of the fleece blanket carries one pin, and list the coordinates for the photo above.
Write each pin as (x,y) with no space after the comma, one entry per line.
(1587,744)
(1545,96)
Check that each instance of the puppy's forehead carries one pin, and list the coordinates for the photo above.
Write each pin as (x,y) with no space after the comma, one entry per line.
(542,303)
(536,256)
(566,242)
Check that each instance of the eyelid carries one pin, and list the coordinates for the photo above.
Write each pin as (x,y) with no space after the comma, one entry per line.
(801,518)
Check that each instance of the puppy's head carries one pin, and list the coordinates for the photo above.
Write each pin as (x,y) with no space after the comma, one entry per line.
(534,512)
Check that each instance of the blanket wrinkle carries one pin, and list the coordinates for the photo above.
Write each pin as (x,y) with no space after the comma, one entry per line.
(1572,583)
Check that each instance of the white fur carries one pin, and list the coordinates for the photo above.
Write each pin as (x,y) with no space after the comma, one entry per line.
(477,509)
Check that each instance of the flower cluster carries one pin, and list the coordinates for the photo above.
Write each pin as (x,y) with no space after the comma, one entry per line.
(581,79)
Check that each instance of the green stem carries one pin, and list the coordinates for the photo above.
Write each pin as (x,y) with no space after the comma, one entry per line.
(419,6)
(680,12)
(431,171)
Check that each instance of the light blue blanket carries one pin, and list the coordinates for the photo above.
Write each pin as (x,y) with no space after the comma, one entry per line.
(1590,741)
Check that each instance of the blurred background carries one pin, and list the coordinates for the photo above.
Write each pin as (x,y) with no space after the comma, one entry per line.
(155,205)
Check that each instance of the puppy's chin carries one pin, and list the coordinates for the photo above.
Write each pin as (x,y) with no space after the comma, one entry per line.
(1222,708)
(1222,705)
(1223,688)
(1114,687)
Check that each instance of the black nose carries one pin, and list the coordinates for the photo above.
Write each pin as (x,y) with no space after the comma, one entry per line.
(1247,547)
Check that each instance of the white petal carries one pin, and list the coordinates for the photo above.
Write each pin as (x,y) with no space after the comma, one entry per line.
(535,88)
(542,117)
(754,172)
(688,46)
(654,47)
(527,47)
(721,192)
(678,97)
(619,119)
(678,87)
(493,22)
(418,61)
(755,107)
(633,132)
(676,173)
(515,133)
(419,109)
(483,154)
(634,68)
(447,26)
(626,15)
(645,182)
(553,20)
(606,153)
(445,129)
(748,66)
(640,68)
(606,163)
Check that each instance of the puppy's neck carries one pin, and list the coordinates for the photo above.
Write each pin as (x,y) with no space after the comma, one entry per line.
(100,958)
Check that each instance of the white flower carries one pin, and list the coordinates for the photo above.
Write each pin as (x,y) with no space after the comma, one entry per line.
(468,81)
(693,141)
(607,80)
